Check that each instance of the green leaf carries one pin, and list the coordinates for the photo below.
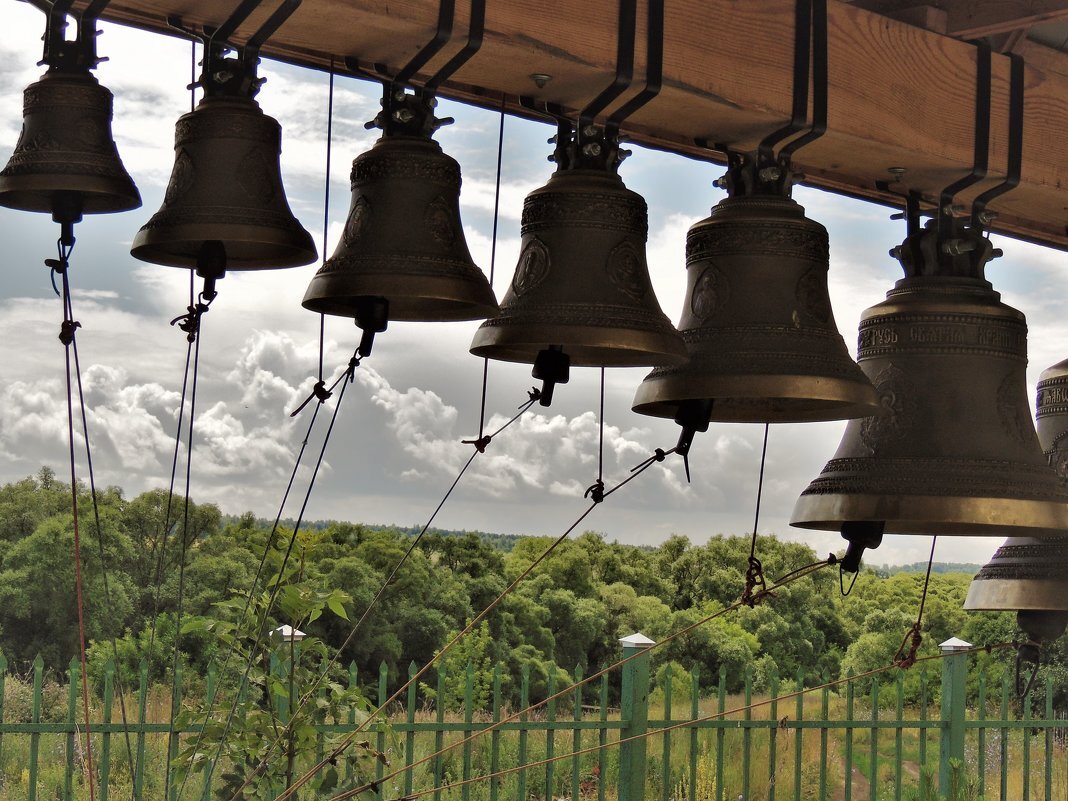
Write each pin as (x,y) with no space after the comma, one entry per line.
(336,606)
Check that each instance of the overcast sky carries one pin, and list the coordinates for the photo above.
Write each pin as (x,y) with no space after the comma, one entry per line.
(396,447)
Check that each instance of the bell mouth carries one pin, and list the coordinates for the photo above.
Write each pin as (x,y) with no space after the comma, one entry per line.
(934,514)
(587,346)
(759,399)
(429,299)
(248,247)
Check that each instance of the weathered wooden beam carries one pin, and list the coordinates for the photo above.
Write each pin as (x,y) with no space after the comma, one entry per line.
(899,95)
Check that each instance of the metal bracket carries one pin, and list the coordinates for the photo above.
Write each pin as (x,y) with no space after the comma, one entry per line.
(234,77)
(654,69)
(626,32)
(810,55)
(980,219)
(947,225)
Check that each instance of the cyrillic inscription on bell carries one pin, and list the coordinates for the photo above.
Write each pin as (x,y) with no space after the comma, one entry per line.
(226,186)
(954,451)
(762,342)
(581,285)
(403,239)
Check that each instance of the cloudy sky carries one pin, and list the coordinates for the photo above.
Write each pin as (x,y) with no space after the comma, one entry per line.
(396,447)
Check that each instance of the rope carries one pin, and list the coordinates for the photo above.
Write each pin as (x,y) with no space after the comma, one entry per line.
(267,547)
(100,544)
(326,201)
(661,731)
(351,736)
(595,491)
(797,574)
(913,637)
(344,380)
(66,336)
(184,547)
(754,574)
(480,447)
(493,262)
(165,534)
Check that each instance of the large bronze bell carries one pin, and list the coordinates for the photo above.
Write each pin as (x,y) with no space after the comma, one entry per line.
(582,283)
(226,186)
(66,147)
(954,451)
(757,321)
(403,240)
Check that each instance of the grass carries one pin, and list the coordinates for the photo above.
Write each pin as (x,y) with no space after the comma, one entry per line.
(668,773)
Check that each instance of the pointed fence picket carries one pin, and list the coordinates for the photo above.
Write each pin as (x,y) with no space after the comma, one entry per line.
(850,755)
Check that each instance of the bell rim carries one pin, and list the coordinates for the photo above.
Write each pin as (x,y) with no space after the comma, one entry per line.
(1013,595)
(942,515)
(832,398)
(521,343)
(439,302)
(34,193)
(149,246)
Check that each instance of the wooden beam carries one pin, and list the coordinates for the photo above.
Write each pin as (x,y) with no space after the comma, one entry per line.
(899,96)
(972,19)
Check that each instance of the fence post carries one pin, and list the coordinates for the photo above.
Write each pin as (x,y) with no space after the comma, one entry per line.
(954,678)
(634,714)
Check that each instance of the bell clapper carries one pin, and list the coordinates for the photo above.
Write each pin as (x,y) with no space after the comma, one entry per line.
(372,317)
(552,366)
(861,535)
(693,416)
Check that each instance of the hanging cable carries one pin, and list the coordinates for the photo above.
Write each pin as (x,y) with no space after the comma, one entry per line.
(480,447)
(344,380)
(267,547)
(496,726)
(756,587)
(658,456)
(493,261)
(100,544)
(66,335)
(326,203)
(906,652)
(657,732)
(595,491)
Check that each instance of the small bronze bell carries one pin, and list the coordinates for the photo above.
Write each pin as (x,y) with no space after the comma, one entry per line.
(403,240)
(1026,575)
(955,451)
(757,321)
(66,147)
(581,287)
(226,185)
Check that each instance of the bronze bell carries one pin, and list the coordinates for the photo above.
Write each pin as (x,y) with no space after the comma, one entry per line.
(226,184)
(1030,577)
(582,283)
(954,451)
(66,146)
(403,239)
(757,321)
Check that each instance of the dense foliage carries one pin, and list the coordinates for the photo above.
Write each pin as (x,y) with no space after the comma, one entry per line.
(569,612)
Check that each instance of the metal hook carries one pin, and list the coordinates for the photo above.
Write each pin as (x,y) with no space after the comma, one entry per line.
(475,34)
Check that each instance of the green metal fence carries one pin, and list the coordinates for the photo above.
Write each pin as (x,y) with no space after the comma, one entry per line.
(849,742)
